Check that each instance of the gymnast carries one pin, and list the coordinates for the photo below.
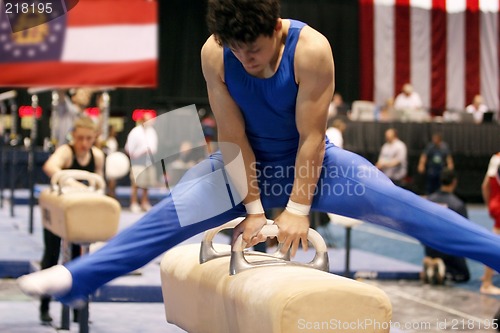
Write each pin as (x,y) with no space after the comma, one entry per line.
(270,81)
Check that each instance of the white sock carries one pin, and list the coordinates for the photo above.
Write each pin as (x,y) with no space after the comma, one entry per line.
(54,281)
(430,272)
(441,268)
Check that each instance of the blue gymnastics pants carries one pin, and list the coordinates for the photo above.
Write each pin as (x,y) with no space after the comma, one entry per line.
(349,185)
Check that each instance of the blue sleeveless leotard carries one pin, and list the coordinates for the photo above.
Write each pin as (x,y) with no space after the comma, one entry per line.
(268,105)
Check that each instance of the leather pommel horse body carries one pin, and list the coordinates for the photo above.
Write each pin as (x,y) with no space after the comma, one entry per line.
(79,215)
(246,292)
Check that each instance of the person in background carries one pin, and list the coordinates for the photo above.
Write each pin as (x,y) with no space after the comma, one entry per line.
(407,99)
(433,160)
(477,108)
(393,158)
(110,146)
(111,143)
(439,266)
(386,113)
(141,144)
(491,195)
(66,111)
(80,154)
(337,107)
(335,132)
(209,127)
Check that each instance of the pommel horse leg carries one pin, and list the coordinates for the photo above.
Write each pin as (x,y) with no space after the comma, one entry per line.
(83,314)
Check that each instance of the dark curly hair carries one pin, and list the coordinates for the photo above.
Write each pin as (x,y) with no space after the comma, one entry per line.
(241,21)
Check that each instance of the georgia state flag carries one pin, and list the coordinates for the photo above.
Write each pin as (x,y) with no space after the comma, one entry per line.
(97,43)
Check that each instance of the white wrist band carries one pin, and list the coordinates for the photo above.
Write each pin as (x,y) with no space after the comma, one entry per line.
(298,209)
(254,207)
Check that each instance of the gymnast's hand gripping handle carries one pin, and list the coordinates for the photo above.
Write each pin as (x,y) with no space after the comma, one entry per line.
(96,182)
(239,264)
(207,251)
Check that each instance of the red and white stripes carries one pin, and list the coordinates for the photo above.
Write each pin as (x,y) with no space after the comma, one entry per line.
(448,50)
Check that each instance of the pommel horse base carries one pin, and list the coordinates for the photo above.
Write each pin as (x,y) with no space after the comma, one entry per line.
(245,292)
(79,216)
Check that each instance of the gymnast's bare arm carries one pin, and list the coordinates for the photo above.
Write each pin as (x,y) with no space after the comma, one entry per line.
(60,159)
(63,157)
(99,159)
(231,129)
(314,73)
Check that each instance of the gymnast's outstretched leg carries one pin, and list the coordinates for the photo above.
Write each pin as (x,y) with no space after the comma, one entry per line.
(353,187)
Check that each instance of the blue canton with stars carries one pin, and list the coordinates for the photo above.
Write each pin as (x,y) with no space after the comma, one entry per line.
(43,42)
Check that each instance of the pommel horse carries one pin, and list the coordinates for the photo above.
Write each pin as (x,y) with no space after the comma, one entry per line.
(211,288)
(79,215)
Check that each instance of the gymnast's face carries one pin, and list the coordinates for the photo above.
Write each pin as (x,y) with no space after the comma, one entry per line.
(256,56)
(83,139)
(260,56)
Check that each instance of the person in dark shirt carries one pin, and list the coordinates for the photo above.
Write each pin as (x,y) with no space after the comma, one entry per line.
(80,154)
(433,160)
(439,266)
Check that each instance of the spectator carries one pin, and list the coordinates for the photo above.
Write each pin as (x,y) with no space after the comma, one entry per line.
(386,113)
(477,108)
(111,146)
(439,266)
(66,111)
(393,160)
(111,143)
(491,195)
(142,142)
(433,160)
(336,131)
(209,128)
(337,107)
(407,99)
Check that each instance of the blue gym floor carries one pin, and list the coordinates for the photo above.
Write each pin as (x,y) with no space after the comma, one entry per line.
(133,303)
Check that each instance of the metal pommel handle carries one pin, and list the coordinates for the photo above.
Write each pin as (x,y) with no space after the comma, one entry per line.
(207,251)
(96,182)
(239,263)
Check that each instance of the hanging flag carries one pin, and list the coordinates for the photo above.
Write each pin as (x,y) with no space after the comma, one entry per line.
(96,43)
(447,49)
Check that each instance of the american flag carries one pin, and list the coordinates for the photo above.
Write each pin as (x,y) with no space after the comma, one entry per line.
(97,43)
(448,50)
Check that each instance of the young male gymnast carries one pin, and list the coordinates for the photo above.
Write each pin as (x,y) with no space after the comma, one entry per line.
(270,81)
